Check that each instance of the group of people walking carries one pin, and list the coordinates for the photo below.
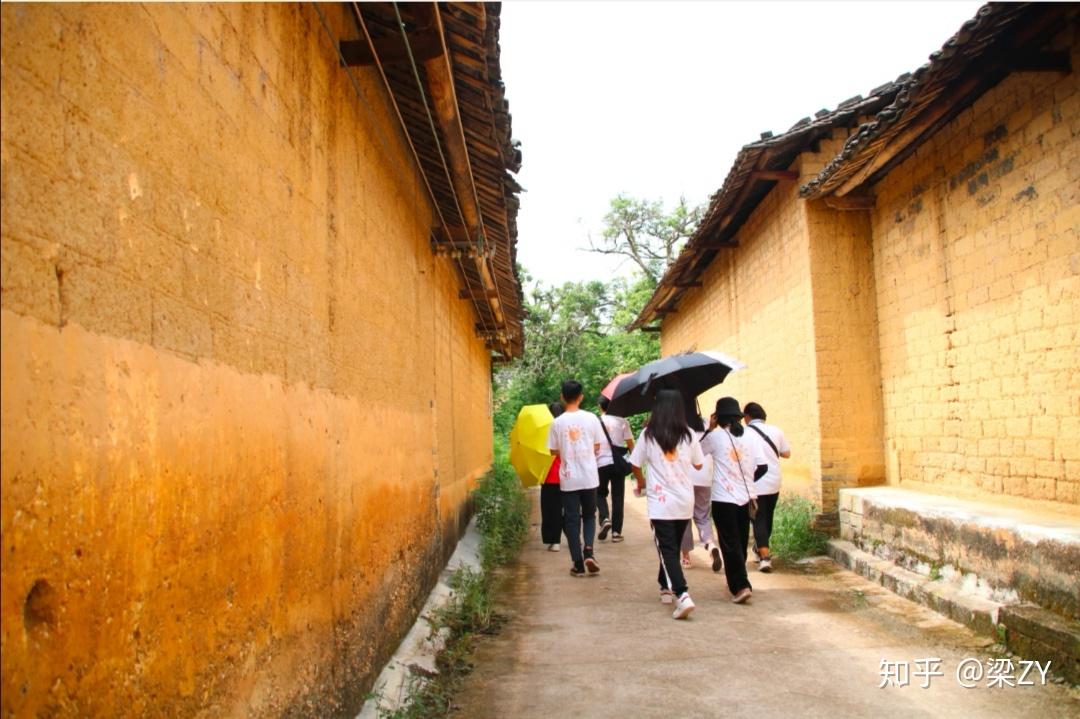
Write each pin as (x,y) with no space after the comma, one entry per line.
(689,473)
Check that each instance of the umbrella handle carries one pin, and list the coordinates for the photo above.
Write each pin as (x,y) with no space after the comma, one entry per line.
(645,389)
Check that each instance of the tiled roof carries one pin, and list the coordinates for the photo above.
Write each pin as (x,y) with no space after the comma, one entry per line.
(471,33)
(974,59)
(741,192)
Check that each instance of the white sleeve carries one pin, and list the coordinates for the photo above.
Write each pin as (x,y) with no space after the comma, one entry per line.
(637,456)
(707,444)
(598,431)
(696,455)
(759,452)
(553,437)
(627,432)
(781,441)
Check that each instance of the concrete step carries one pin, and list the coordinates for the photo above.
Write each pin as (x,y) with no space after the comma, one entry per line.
(1029,631)
(942,596)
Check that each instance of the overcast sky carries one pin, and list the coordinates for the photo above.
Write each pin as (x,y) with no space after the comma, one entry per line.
(654,99)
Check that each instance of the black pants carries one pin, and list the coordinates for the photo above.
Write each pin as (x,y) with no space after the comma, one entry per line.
(579,521)
(766,506)
(668,533)
(550,513)
(609,475)
(733,533)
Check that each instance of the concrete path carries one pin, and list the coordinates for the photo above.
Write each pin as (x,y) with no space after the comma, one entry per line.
(809,644)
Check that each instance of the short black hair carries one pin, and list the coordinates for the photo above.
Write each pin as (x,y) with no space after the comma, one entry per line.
(604,402)
(753,410)
(571,390)
(556,408)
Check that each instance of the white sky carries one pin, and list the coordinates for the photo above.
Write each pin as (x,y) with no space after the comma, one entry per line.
(654,99)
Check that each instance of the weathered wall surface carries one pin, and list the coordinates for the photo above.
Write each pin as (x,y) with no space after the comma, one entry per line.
(242,404)
(755,304)
(977,265)
(846,344)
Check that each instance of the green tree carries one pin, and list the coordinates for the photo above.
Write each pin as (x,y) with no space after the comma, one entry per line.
(576,330)
(642,232)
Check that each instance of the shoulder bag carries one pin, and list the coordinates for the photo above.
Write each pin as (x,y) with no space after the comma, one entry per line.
(752,510)
(618,454)
(766,438)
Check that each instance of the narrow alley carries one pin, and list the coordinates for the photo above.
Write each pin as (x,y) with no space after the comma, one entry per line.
(809,644)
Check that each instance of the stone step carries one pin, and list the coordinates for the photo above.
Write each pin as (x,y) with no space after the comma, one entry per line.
(977,612)
(1029,631)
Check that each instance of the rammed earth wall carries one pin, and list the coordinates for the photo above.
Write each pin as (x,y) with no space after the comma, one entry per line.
(977,261)
(242,403)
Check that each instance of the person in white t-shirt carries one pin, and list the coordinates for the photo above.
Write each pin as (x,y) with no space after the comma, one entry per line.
(575,437)
(668,451)
(737,462)
(773,445)
(702,479)
(618,439)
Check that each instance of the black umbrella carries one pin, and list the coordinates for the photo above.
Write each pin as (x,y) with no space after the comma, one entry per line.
(691,373)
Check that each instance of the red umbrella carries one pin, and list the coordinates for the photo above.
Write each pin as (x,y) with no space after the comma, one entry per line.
(609,390)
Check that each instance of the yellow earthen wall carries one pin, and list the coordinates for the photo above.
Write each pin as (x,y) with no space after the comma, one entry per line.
(977,264)
(846,346)
(242,404)
(755,304)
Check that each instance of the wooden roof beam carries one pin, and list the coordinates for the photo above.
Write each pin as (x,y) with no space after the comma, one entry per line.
(423,41)
(850,203)
(778,175)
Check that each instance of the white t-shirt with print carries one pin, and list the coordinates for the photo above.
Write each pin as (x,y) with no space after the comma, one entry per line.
(730,454)
(702,477)
(575,435)
(619,429)
(668,487)
(770,483)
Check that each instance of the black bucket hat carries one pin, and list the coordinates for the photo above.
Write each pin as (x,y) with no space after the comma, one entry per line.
(728,407)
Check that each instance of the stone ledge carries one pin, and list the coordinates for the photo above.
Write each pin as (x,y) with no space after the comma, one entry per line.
(1007,555)
(1036,632)
(940,595)
(1029,631)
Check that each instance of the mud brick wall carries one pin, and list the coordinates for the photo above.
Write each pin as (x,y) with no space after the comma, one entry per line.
(977,266)
(755,304)
(242,403)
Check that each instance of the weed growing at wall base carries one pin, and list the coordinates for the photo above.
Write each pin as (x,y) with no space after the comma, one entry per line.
(502,518)
(793,534)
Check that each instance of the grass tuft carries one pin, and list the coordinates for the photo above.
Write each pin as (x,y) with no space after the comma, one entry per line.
(502,518)
(794,536)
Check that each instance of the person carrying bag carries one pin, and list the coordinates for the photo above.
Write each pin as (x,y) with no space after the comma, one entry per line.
(613,466)
(733,495)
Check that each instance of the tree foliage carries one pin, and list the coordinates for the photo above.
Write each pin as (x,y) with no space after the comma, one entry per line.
(642,232)
(576,330)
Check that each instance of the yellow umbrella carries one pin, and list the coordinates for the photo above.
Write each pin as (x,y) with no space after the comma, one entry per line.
(529,454)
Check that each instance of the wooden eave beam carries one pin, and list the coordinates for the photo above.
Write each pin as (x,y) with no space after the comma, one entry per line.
(470,295)
(390,50)
(440,76)
(850,203)
(778,175)
(687,285)
(925,120)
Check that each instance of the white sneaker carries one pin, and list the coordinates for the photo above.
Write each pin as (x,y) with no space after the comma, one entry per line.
(666,596)
(553,547)
(765,565)
(683,607)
